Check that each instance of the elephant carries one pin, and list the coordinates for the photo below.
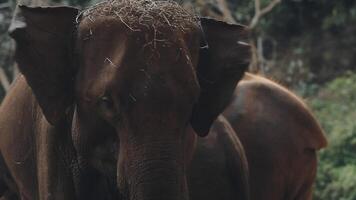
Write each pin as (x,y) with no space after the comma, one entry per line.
(211,158)
(114,101)
(280,136)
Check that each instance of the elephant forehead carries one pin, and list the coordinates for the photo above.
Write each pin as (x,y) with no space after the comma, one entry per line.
(138,44)
(153,26)
(140,15)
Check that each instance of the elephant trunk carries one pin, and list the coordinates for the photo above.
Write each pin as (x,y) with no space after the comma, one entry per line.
(157,183)
(157,175)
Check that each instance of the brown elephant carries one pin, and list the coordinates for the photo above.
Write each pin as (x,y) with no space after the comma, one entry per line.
(112,99)
(212,156)
(280,136)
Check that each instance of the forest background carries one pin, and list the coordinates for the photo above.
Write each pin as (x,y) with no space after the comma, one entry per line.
(308,46)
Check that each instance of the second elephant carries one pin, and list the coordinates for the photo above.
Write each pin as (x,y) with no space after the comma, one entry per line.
(281,138)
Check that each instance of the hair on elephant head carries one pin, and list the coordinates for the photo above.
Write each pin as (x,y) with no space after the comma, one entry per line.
(144,77)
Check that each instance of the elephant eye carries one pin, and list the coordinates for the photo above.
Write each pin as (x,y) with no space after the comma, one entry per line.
(106,102)
(107,109)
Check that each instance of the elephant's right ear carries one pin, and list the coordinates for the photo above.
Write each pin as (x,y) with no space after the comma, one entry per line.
(44,52)
(223,59)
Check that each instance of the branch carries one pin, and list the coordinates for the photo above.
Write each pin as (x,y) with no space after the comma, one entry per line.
(261,12)
(3,80)
(226,11)
(5,5)
(270,6)
(219,10)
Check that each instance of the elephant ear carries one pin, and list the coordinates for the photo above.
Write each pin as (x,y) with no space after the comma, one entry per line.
(222,63)
(44,49)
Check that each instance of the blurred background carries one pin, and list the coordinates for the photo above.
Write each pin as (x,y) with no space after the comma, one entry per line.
(309,46)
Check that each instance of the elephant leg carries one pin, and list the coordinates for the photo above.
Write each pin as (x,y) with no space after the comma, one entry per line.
(9,195)
(305,191)
(7,185)
(5,192)
(219,167)
(3,187)
(304,176)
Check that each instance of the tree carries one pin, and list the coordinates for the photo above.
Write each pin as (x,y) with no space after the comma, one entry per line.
(221,10)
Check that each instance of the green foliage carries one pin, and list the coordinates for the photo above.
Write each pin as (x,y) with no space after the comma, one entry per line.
(318,35)
(335,107)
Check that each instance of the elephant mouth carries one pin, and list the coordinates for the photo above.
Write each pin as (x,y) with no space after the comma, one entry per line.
(99,176)
(104,158)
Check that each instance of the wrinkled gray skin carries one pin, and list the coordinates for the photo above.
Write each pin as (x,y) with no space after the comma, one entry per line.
(95,113)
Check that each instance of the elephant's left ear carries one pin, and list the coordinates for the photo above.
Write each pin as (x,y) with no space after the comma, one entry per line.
(44,49)
(222,63)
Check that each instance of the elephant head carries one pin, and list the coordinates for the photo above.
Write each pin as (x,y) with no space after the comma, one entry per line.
(144,78)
